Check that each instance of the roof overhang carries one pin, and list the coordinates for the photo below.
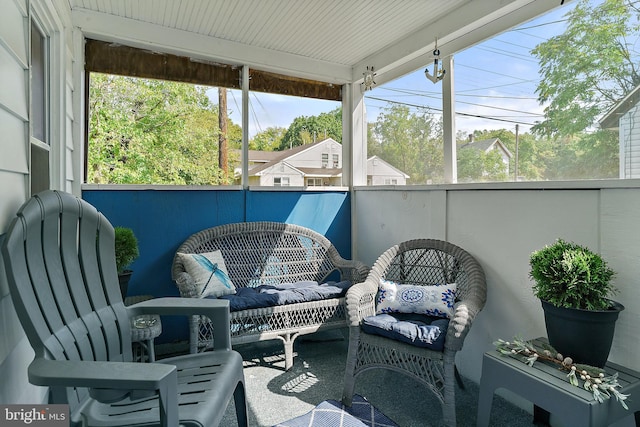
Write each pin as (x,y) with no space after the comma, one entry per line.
(611,120)
(326,51)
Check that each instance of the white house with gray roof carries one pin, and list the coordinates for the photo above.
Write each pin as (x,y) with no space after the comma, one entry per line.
(489,145)
(314,165)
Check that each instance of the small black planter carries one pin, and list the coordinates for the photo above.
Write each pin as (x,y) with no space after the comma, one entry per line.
(124,278)
(584,335)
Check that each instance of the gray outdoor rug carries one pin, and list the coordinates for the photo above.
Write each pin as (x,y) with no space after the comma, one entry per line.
(331,413)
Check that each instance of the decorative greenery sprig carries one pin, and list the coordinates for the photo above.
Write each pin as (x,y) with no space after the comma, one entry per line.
(593,379)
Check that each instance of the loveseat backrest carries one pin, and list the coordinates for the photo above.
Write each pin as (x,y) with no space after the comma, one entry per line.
(259,253)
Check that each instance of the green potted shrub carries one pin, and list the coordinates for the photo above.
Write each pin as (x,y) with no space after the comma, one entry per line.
(574,285)
(126,252)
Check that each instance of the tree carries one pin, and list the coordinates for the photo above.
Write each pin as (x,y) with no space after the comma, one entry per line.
(412,142)
(306,130)
(476,165)
(588,68)
(144,131)
(268,140)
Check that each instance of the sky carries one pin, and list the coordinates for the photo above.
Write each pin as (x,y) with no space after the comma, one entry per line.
(495,79)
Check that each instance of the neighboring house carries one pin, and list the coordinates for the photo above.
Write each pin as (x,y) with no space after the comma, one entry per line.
(314,165)
(625,117)
(488,145)
(311,165)
(380,172)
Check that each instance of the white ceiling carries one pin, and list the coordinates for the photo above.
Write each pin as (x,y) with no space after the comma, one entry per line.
(327,40)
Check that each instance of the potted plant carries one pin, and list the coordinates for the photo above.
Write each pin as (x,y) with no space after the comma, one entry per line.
(574,286)
(126,252)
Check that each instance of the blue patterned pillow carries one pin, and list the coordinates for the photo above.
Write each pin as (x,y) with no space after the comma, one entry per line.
(208,272)
(433,300)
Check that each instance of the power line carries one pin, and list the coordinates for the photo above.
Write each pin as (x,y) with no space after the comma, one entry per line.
(479,116)
(430,94)
(506,53)
(492,72)
(484,105)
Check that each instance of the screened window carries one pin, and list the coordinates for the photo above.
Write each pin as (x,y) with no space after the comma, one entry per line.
(39,113)
(541,102)
(165,126)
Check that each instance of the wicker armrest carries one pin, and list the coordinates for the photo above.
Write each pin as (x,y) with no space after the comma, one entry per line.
(186,285)
(360,302)
(463,315)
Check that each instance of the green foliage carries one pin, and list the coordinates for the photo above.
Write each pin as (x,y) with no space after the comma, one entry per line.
(144,131)
(268,140)
(591,155)
(476,165)
(412,142)
(306,130)
(588,68)
(126,247)
(570,275)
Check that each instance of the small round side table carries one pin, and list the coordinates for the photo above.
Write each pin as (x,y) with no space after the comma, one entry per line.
(144,329)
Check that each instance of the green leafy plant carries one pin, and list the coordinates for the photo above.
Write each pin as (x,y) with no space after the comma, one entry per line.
(126,248)
(569,275)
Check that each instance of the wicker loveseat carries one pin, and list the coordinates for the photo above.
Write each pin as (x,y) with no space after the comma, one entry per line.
(269,253)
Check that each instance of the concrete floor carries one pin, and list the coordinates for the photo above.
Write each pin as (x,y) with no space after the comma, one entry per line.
(275,395)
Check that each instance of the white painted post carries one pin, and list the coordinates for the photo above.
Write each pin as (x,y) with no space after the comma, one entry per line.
(245,126)
(449,124)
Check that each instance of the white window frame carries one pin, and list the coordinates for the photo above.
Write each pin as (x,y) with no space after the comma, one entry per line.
(314,182)
(281,181)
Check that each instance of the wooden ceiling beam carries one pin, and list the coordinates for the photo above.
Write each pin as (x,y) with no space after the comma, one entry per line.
(113,58)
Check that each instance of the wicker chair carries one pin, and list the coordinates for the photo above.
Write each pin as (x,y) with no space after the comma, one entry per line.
(263,252)
(417,262)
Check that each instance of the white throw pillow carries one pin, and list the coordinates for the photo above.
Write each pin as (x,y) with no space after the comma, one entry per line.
(209,272)
(433,300)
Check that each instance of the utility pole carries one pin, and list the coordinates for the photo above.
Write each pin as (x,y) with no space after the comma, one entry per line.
(223,151)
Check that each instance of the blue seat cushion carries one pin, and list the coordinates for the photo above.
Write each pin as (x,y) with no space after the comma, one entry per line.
(415,329)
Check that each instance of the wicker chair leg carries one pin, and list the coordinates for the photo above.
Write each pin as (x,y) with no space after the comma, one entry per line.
(449,405)
(194,328)
(288,340)
(349,372)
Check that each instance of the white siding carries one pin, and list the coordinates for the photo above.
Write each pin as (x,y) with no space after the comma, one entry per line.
(12,20)
(630,144)
(15,351)
(69,173)
(14,137)
(282,170)
(380,171)
(312,158)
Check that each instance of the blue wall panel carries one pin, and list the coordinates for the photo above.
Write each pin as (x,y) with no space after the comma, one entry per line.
(327,213)
(163,219)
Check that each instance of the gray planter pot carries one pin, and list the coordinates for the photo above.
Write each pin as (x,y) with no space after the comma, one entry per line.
(584,335)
